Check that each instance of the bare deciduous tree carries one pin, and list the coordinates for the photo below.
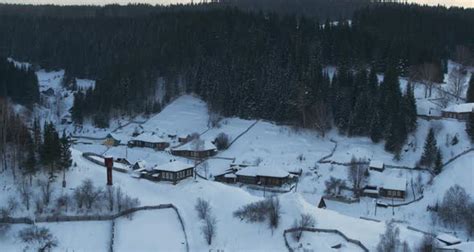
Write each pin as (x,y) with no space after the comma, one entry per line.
(390,240)
(119,199)
(457,78)
(334,186)
(209,228)
(305,221)
(25,193)
(202,208)
(357,174)
(46,191)
(320,118)
(426,73)
(39,238)
(110,196)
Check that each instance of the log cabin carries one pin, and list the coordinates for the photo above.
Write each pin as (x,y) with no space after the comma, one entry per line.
(149,140)
(194,150)
(459,112)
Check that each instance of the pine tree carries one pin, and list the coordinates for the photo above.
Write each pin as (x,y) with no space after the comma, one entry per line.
(65,159)
(376,128)
(470,127)
(470,90)
(429,150)
(30,161)
(438,163)
(37,135)
(51,148)
(409,109)
(392,116)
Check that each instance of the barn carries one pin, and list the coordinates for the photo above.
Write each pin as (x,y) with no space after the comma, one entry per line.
(458,111)
(174,171)
(195,149)
(149,140)
(262,176)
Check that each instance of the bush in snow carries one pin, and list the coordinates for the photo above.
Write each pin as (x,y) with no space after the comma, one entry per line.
(222,141)
(260,211)
(334,186)
(305,221)
(87,194)
(39,238)
(389,241)
(202,208)
(4,214)
(427,244)
(62,203)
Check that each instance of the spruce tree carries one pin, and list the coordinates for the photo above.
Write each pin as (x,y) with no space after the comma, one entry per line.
(429,150)
(438,163)
(470,127)
(51,148)
(409,109)
(37,135)
(470,90)
(65,159)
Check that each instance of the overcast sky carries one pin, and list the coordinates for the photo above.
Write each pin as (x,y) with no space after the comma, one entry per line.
(465,3)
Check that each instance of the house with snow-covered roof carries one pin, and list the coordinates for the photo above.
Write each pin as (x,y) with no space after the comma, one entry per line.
(458,111)
(149,140)
(195,149)
(112,140)
(173,171)
(266,176)
(376,165)
(382,185)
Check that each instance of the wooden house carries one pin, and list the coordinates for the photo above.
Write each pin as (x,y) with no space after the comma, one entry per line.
(393,188)
(262,176)
(458,111)
(111,140)
(173,171)
(149,140)
(228,177)
(195,150)
(376,165)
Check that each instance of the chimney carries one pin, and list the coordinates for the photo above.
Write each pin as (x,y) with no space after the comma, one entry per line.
(109,163)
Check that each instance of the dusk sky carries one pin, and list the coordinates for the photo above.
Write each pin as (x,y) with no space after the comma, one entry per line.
(465,3)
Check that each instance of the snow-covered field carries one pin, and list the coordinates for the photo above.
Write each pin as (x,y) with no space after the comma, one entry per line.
(266,144)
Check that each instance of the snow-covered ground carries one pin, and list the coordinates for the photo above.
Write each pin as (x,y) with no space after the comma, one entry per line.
(268,145)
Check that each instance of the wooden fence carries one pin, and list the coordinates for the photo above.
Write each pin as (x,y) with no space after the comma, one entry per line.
(314,230)
(110,217)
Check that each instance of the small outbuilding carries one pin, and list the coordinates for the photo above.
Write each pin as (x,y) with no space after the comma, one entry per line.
(184,138)
(321,202)
(376,165)
(195,149)
(458,111)
(448,239)
(111,140)
(149,140)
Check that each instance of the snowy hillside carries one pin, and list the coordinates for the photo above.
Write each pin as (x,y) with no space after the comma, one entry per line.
(253,142)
